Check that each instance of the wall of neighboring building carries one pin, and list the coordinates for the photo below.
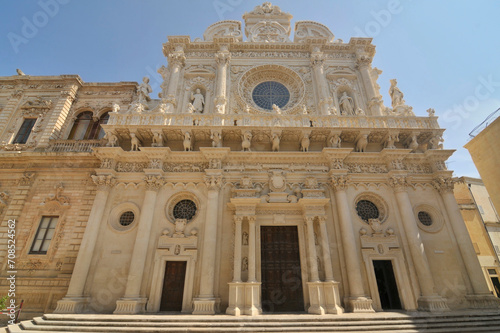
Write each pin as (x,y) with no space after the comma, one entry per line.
(476,209)
(485,151)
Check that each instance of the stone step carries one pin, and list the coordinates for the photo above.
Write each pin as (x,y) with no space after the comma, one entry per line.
(377,322)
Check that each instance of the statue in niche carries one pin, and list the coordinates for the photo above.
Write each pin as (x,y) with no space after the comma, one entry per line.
(346,105)
(396,94)
(244,264)
(198,101)
(187,142)
(335,141)
(143,91)
(276,142)
(391,139)
(245,238)
(134,142)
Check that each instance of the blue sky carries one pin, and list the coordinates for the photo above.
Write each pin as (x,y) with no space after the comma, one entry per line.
(444,54)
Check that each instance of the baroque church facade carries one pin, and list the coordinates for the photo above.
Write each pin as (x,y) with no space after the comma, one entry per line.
(267,177)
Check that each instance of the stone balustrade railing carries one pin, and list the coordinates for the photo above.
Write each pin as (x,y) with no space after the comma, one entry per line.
(81,146)
(272,120)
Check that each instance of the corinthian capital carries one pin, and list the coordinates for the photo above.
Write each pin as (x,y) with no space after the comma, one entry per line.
(103,182)
(223,57)
(213,182)
(177,58)
(444,184)
(153,183)
(340,183)
(363,61)
(399,183)
(317,59)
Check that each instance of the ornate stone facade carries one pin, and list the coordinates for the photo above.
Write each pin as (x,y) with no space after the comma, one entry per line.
(215,175)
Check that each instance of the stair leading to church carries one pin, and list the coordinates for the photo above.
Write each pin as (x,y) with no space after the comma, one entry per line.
(470,321)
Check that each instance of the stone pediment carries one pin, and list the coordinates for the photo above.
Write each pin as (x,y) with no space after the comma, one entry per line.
(267,23)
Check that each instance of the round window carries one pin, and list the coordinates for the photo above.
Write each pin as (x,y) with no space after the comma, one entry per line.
(269,93)
(367,210)
(184,209)
(127,218)
(425,218)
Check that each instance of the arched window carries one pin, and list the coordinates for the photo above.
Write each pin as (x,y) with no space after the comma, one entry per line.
(85,128)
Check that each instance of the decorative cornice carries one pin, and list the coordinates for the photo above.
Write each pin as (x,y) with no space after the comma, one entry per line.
(400,183)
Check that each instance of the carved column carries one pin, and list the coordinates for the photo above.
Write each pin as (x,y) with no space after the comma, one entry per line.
(235,290)
(311,249)
(133,301)
(482,297)
(206,303)
(176,61)
(429,299)
(252,287)
(59,114)
(222,58)
(325,248)
(357,301)
(74,301)
(324,100)
(374,99)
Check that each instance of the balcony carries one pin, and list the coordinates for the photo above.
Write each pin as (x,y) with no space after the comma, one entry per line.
(78,146)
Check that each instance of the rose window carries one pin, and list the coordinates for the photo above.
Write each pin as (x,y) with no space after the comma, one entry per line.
(269,93)
(425,218)
(367,210)
(184,209)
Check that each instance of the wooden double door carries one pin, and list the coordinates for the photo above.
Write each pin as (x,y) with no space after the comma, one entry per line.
(280,270)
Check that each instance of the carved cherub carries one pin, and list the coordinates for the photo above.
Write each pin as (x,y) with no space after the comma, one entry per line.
(216,139)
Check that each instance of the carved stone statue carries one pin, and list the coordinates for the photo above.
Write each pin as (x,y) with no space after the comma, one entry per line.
(304,143)
(143,91)
(335,141)
(276,109)
(431,112)
(134,142)
(216,139)
(391,139)
(198,101)
(362,143)
(190,108)
(436,142)
(413,144)
(157,139)
(247,141)
(346,105)
(112,139)
(187,142)
(396,94)
(276,142)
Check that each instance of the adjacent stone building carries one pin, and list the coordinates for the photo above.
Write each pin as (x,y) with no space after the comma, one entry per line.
(268,176)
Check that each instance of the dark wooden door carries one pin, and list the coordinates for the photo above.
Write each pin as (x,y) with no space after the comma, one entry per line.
(386,284)
(280,269)
(173,286)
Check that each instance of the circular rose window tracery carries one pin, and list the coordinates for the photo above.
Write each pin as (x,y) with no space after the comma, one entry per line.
(263,86)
